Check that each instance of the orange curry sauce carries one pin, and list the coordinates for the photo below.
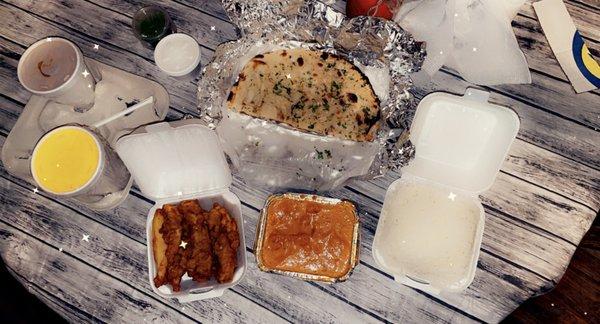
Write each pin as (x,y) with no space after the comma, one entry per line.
(309,237)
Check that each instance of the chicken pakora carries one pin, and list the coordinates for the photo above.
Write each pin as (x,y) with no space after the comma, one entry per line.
(188,239)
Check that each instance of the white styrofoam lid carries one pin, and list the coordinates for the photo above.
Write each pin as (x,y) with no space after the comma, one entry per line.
(461,141)
(169,160)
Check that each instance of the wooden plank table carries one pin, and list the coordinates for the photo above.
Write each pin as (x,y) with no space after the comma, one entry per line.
(543,201)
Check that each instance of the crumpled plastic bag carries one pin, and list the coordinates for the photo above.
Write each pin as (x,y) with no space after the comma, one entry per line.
(473,37)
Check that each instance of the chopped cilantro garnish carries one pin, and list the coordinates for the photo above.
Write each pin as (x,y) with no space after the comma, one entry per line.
(319,154)
(335,85)
(335,88)
(277,88)
(366,111)
(298,105)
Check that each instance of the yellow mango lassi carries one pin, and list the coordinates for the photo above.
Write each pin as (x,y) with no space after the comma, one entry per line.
(65,160)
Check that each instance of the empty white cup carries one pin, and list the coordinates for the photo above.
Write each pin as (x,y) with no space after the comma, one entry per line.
(55,68)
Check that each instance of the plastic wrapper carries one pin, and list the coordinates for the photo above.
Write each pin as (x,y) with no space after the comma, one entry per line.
(277,155)
(473,37)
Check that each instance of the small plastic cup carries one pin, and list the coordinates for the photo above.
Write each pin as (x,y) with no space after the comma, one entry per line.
(151,24)
(178,55)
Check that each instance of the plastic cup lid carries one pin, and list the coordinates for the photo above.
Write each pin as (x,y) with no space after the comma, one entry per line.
(461,141)
(177,54)
(178,159)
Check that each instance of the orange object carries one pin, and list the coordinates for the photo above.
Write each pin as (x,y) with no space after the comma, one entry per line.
(66,160)
(310,237)
(376,8)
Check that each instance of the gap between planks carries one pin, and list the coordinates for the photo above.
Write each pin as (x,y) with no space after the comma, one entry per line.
(204,12)
(126,235)
(148,293)
(73,313)
(510,174)
(200,11)
(17,182)
(74,257)
(524,139)
(543,188)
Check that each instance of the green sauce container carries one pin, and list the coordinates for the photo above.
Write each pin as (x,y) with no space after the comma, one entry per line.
(151,24)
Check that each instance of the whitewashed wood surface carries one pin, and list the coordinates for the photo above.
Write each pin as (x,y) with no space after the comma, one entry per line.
(542,203)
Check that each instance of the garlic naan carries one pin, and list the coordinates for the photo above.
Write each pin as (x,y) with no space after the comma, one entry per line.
(309,90)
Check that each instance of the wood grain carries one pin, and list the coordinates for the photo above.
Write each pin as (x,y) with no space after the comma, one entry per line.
(76,282)
(537,211)
(364,301)
(584,16)
(538,127)
(121,257)
(482,308)
(576,298)
(277,292)
(64,309)
(125,259)
(442,81)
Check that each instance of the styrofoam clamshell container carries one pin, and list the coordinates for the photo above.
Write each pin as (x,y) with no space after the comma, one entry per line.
(173,162)
(431,225)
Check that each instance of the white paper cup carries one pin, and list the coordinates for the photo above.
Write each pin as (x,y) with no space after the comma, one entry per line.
(110,176)
(90,181)
(55,68)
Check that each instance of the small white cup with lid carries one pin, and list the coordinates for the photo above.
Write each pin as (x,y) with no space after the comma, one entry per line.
(178,55)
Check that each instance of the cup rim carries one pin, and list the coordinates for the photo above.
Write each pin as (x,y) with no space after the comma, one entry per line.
(92,178)
(163,46)
(32,47)
(148,7)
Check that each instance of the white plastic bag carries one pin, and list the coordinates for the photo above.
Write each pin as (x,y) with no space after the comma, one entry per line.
(473,37)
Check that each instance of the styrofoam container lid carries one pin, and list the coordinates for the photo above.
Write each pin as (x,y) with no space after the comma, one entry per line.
(178,159)
(461,141)
(431,224)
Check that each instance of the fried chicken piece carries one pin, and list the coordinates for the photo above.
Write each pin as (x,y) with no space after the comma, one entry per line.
(159,248)
(212,241)
(190,207)
(172,234)
(198,258)
(225,242)
(220,221)
(226,258)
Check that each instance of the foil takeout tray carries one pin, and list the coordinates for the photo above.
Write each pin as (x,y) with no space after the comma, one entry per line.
(260,237)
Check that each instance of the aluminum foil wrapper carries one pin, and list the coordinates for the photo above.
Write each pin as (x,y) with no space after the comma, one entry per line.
(276,155)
